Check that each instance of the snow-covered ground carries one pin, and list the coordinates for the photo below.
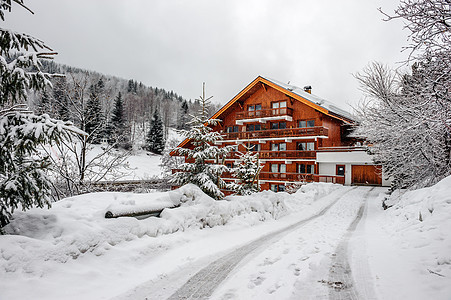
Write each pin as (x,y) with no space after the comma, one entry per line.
(72,252)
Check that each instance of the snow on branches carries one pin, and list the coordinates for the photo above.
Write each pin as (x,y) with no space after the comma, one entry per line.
(408,116)
(246,170)
(23,179)
(205,161)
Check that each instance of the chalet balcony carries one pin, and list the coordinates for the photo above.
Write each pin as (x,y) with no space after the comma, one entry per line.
(277,133)
(287,154)
(290,154)
(330,178)
(263,115)
(286,176)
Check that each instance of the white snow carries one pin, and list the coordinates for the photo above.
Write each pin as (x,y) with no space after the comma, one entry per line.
(72,252)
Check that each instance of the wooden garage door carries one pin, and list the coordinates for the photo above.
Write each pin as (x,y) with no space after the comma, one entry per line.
(366,175)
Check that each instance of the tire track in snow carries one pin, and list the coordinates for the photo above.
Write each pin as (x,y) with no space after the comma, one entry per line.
(203,283)
(341,285)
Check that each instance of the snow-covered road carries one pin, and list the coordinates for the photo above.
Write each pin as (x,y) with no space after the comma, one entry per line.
(323,242)
(306,259)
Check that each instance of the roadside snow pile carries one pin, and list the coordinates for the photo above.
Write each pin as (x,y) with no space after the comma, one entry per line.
(76,226)
(421,221)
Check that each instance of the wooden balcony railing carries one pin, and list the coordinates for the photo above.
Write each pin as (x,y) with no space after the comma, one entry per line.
(278,154)
(286,154)
(277,133)
(329,178)
(264,113)
(285,176)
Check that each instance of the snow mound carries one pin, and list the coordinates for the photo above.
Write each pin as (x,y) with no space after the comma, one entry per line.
(421,221)
(77,227)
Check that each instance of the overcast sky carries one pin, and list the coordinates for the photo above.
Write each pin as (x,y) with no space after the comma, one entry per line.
(178,44)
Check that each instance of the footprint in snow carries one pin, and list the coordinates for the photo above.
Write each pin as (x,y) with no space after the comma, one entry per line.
(256,281)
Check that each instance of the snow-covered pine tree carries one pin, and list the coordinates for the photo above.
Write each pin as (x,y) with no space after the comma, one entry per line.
(94,120)
(199,170)
(155,137)
(168,162)
(182,120)
(43,106)
(246,169)
(23,179)
(118,125)
(61,101)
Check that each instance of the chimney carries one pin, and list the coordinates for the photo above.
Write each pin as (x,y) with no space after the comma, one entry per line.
(308,89)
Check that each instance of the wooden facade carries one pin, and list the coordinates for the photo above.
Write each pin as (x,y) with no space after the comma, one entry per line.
(287,126)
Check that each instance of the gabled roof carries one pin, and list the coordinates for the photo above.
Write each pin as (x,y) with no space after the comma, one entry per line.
(292,91)
(297,93)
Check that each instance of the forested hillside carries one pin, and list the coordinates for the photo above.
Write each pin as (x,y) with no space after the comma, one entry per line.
(88,99)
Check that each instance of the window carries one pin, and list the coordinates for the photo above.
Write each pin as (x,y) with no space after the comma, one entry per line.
(340,170)
(282,168)
(278,188)
(306,169)
(304,124)
(279,147)
(301,168)
(234,148)
(254,107)
(302,146)
(280,125)
(232,129)
(252,127)
(280,104)
(229,165)
(278,168)
(253,147)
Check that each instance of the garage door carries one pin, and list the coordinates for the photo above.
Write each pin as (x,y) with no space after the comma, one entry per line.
(366,175)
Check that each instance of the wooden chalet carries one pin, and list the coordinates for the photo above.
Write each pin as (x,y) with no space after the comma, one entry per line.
(299,136)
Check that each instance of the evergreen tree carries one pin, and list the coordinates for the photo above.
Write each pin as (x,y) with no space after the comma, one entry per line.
(206,175)
(94,120)
(61,101)
(23,179)
(43,106)
(118,125)
(246,170)
(155,137)
(182,121)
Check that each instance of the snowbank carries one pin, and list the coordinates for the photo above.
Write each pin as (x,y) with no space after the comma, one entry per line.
(419,227)
(76,226)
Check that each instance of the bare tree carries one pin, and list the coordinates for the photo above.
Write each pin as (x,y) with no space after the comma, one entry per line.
(76,165)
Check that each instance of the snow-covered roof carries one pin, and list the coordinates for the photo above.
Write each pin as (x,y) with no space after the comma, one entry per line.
(313,98)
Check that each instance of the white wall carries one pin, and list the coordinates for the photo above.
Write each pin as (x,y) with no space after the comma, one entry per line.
(354,157)
(327,162)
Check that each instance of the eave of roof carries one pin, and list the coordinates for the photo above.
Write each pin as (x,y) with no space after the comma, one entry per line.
(292,91)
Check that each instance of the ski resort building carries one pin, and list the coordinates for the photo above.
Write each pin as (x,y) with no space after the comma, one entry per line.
(299,137)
